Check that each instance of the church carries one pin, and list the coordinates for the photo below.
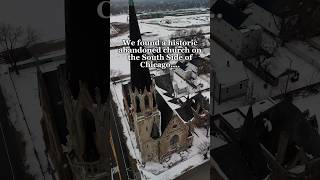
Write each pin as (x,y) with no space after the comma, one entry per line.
(160,130)
(75,100)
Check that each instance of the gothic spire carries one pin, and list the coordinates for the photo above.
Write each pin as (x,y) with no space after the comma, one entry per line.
(86,55)
(140,77)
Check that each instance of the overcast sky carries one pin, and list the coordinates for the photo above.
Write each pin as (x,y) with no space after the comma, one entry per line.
(46,16)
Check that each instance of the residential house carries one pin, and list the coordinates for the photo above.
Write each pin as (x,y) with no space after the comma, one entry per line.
(231,80)
(229,26)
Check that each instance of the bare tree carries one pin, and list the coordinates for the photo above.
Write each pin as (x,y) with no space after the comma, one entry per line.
(12,37)
(188,35)
(31,36)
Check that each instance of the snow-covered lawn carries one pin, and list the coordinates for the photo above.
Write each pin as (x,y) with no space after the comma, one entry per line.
(178,164)
(119,63)
(310,103)
(26,94)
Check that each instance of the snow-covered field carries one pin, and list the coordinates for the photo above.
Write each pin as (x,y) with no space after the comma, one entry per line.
(178,164)
(157,31)
(26,86)
(181,21)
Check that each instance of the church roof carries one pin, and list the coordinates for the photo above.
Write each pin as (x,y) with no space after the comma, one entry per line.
(165,112)
(185,111)
(182,65)
(165,82)
(198,61)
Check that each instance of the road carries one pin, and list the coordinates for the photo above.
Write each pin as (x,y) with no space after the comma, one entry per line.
(5,162)
(11,160)
(120,151)
(201,172)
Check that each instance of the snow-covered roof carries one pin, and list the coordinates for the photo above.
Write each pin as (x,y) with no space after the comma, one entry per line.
(181,83)
(276,67)
(234,118)
(258,107)
(230,74)
(216,142)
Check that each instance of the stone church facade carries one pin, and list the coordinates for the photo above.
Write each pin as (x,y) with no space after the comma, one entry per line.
(159,132)
(75,99)
(77,144)
(145,120)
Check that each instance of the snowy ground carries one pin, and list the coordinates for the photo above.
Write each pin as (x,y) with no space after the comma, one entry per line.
(119,63)
(27,95)
(181,21)
(310,103)
(178,164)
(155,31)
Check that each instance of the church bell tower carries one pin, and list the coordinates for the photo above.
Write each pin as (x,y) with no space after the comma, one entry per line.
(146,116)
(85,91)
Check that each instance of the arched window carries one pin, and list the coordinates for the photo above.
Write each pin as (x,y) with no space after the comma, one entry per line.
(146,101)
(138,104)
(154,100)
(174,140)
(90,149)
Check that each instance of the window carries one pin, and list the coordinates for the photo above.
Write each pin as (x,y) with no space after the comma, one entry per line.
(227,90)
(90,152)
(241,85)
(174,140)
(146,101)
(146,128)
(174,126)
(138,104)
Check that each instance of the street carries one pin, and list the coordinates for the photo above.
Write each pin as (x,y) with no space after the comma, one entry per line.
(11,160)
(5,162)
